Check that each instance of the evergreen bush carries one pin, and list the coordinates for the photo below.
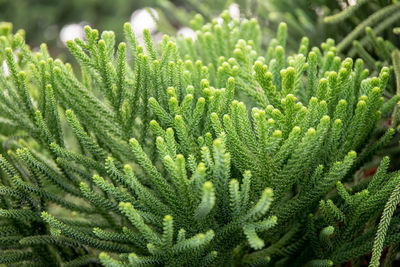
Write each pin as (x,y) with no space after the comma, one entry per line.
(207,152)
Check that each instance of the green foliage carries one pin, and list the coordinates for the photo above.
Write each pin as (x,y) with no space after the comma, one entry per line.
(316,19)
(193,153)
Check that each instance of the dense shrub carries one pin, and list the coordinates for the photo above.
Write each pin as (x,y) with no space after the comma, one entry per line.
(190,153)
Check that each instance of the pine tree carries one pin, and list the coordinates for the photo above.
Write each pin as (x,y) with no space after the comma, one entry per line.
(207,152)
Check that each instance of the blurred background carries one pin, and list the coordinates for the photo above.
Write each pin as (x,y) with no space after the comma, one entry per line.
(55,21)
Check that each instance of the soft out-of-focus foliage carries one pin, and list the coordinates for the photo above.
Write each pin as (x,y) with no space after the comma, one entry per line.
(44,19)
